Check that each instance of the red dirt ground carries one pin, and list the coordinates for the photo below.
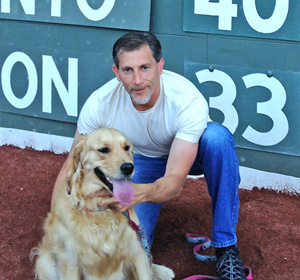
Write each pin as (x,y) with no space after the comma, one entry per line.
(268,230)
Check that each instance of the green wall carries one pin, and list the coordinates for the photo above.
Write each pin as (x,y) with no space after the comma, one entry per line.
(72,48)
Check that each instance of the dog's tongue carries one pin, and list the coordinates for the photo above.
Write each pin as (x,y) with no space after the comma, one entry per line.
(123,191)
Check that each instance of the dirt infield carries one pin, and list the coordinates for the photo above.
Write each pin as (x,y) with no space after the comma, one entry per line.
(268,229)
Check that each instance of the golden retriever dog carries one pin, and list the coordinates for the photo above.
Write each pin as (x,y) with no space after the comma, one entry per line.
(83,240)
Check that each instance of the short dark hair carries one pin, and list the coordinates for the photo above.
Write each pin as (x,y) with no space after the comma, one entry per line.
(134,40)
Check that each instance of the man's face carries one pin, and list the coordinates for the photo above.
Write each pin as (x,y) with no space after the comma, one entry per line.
(140,75)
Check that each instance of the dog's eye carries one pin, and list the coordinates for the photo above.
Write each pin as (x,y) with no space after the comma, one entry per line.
(127,148)
(104,150)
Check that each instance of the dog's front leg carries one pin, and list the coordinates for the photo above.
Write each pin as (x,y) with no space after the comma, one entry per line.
(142,266)
(67,269)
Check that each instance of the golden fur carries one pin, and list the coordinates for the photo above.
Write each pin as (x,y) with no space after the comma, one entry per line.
(82,241)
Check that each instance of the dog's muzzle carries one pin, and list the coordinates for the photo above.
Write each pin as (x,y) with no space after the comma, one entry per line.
(120,188)
(126,169)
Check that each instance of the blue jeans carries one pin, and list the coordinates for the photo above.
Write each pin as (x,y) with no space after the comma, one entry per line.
(217,160)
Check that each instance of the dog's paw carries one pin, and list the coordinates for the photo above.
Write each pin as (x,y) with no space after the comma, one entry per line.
(162,272)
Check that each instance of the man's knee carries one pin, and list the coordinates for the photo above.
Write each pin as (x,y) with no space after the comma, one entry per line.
(216,136)
(215,143)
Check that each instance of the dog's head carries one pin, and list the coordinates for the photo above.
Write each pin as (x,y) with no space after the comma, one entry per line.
(102,159)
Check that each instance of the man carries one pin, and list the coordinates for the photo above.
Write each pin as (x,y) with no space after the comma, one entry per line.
(166,118)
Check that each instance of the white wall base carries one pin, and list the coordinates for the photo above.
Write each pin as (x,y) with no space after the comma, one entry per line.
(249,177)
(256,178)
(37,141)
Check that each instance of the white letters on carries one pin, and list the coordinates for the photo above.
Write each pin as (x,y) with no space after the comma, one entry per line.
(8,65)
(96,15)
(68,97)
(28,6)
(56,8)
(50,75)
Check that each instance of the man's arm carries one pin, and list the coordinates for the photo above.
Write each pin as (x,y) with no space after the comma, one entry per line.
(181,158)
(63,172)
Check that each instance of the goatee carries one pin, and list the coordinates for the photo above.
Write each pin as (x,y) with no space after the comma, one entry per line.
(140,101)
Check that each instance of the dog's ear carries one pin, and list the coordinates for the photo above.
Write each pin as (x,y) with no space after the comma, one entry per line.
(78,153)
(75,172)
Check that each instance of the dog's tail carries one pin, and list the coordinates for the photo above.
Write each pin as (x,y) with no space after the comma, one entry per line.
(45,265)
(34,253)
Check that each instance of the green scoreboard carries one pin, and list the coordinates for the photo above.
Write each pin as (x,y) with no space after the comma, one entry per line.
(243,56)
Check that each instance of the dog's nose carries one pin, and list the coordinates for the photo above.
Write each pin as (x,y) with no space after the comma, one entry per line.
(127,168)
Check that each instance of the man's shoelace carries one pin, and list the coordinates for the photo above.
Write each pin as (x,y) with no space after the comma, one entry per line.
(230,266)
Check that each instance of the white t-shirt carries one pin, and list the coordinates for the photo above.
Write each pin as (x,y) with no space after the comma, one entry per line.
(180,111)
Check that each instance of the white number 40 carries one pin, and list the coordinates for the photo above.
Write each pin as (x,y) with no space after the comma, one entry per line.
(271,108)
(226,10)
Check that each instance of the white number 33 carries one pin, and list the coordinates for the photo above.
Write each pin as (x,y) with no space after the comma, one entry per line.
(272,108)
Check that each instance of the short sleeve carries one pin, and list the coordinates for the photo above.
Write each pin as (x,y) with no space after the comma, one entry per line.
(89,117)
(192,120)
